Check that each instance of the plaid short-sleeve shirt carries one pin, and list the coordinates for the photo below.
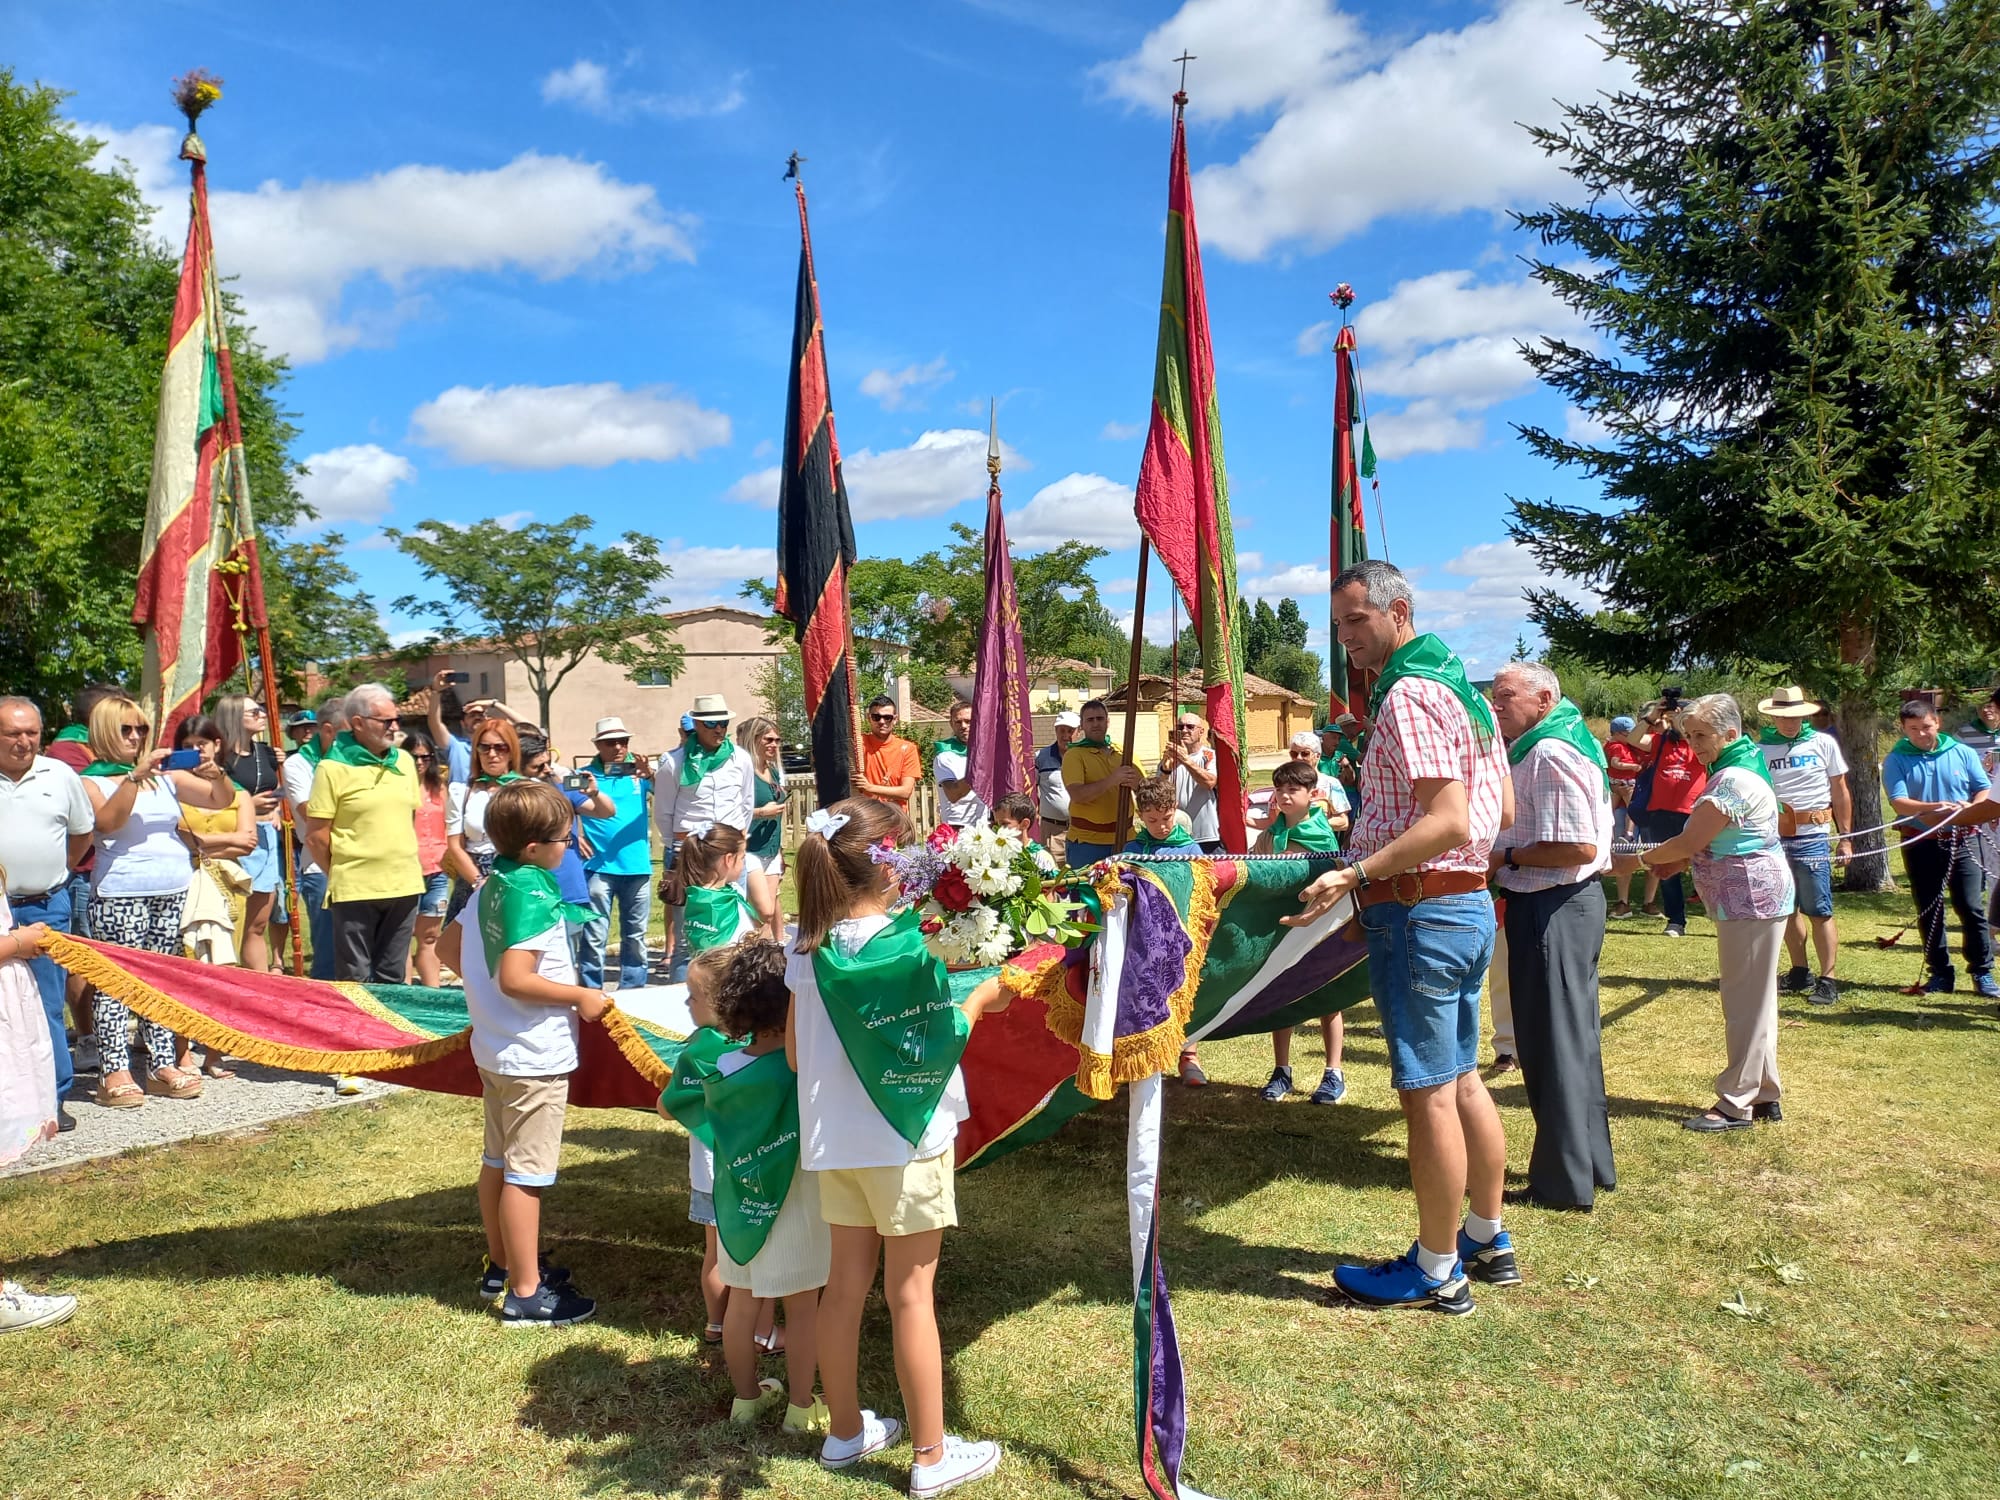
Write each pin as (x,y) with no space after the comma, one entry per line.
(1559,798)
(1424,733)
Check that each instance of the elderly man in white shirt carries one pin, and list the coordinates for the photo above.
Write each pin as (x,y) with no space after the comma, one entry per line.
(711,779)
(46,823)
(1549,863)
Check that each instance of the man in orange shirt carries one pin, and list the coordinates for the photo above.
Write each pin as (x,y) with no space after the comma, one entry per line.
(890,764)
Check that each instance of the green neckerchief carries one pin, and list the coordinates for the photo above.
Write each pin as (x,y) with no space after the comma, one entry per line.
(1428,657)
(955,745)
(311,751)
(1312,833)
(501,780)
(351,752)
(107,768)
(697,762)
(694,1065)
(1740,752)
(1770,736)
(518,902)
(892,1009)
(1178,839)
(1564,723)
(1080,743)
(74,734)
(713,916)
(753,1118)
(1904,747)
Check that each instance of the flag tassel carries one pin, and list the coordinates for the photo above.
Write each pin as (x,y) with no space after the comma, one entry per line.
(1132,689)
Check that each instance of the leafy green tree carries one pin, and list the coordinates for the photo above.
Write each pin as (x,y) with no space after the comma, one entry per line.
(1790,222)
(1291,629)
(546,595)
(86,298)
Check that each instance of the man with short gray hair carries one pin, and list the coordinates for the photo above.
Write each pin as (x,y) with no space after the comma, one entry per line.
(1548,863)
(361,829)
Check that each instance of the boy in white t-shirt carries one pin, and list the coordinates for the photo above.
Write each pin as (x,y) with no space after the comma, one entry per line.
(512,947)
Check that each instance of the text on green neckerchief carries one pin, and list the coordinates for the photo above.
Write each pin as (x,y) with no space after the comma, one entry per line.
(1743,755)
(349,751)
(716,914)
(1427,657)
(682,1097)
(1770,736)
(891,1007)
(753,1119)
(518,902)
(1944,742)
(1564,723)
(1312,834)
(697,762)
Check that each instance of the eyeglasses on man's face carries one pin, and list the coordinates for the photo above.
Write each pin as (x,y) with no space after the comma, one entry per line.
(389,719)
(618,743)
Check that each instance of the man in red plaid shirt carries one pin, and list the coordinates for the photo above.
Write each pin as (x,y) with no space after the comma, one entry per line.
(1434,793)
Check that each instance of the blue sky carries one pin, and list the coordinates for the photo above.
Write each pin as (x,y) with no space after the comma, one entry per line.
(533,261)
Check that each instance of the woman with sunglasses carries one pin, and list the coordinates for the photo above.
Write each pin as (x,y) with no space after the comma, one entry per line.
(764,852)
(140,882)
(469,853)
(253,765)
(432,843)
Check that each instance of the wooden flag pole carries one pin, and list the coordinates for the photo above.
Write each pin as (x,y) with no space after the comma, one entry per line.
(1132,692)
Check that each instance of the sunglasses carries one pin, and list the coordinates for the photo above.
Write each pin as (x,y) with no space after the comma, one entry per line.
(621,740)
(134,728)
(420,759)
(883,718)
(496,747)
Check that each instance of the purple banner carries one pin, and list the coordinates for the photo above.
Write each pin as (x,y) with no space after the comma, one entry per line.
(1003,736)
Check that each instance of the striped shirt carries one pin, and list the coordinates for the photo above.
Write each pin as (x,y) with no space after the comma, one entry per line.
(1423,733)
(1559,798)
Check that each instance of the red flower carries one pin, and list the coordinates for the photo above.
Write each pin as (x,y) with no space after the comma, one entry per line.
(942,836)
(951,891)
(931,926)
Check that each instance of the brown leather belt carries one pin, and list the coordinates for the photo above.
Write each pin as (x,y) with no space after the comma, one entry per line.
(1413,886)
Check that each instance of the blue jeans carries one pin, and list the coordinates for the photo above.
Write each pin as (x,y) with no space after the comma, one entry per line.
(1426,964)
(634,897)
(1811,858)
(319,922)
(53,909)
(1661,826)
(1081,855)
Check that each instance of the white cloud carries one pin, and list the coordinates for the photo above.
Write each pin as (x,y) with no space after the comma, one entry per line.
(1303,581)
(1580,426)
(1361,131)
(402,638)
(297,253)
(937,472)
(1122,432)
(353,483)
(1077,507)
(559,426)
(1313,340)
(1424,427)
(1482,618)
(589,86)
(712,575)
(1251,54)
(896,389)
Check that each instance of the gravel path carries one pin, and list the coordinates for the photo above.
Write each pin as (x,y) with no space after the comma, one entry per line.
(256,1096)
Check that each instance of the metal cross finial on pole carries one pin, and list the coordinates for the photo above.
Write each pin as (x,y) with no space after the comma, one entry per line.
(792,164)
(1180,96)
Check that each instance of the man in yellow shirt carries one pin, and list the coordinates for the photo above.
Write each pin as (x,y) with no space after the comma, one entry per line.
(1094,771)
(361,829)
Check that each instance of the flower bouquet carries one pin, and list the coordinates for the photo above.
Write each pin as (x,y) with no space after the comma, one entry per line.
(983,897)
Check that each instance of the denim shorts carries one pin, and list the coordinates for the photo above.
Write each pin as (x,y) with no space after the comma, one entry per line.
(1811,859)
(437,891)
(262,865)
(1426,964)
(701,1207)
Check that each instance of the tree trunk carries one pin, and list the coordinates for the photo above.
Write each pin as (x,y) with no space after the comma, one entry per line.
(1861,736)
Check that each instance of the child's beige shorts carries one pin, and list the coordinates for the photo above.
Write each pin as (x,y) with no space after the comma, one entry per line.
(524,1126)
(891,1200)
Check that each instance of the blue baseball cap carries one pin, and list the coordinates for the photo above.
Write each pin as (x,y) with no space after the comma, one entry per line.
(1623,724)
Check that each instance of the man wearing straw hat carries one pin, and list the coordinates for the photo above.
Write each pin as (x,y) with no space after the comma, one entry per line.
(1809,773)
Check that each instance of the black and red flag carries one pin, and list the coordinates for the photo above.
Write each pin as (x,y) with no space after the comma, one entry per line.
(816,541)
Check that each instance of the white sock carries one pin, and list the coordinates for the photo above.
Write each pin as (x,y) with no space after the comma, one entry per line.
(1480,1231)
(1434,1265)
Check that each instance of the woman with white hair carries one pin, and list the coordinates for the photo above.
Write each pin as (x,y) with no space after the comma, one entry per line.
(1739,867)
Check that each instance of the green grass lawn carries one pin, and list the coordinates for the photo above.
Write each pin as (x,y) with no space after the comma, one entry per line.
(291,1313)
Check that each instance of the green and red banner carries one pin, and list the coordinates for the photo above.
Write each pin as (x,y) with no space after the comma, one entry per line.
(1348,544)
(199,586)
(1183,495)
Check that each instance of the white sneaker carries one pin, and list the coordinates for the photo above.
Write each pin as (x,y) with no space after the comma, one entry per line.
(346,1085)
(960,1463)
(21,1309)
(876,1434)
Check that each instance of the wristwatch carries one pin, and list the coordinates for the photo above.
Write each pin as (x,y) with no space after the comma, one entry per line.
(1510,861)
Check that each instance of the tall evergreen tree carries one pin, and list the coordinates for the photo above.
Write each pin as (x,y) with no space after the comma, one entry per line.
(1789,216)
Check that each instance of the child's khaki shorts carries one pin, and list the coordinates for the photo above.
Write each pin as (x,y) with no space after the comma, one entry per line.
(524,1126)
(891,1200)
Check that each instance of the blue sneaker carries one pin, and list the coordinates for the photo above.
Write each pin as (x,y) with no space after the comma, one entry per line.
(1940,983)
(1332,1087)
(1492,1262)
(493,1279)
(1984,987)
(1402,1283)
(545,1307)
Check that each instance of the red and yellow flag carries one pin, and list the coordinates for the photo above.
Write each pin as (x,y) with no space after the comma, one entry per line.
(1183,499)
(199,584)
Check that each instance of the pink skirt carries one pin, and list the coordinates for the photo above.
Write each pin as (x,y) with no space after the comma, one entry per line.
(27,1064)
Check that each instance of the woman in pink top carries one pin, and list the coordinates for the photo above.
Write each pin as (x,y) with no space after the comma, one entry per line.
(430,855)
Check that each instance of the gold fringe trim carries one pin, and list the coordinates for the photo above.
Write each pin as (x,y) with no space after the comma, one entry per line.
(362,1000)
(156,1005)
(632,1047)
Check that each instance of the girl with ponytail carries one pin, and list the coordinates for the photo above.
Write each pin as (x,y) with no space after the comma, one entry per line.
(703,879)
(875,1038)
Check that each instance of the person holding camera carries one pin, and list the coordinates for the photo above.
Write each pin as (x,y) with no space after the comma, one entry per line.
(580,789)
(1670,785)
(620,866)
